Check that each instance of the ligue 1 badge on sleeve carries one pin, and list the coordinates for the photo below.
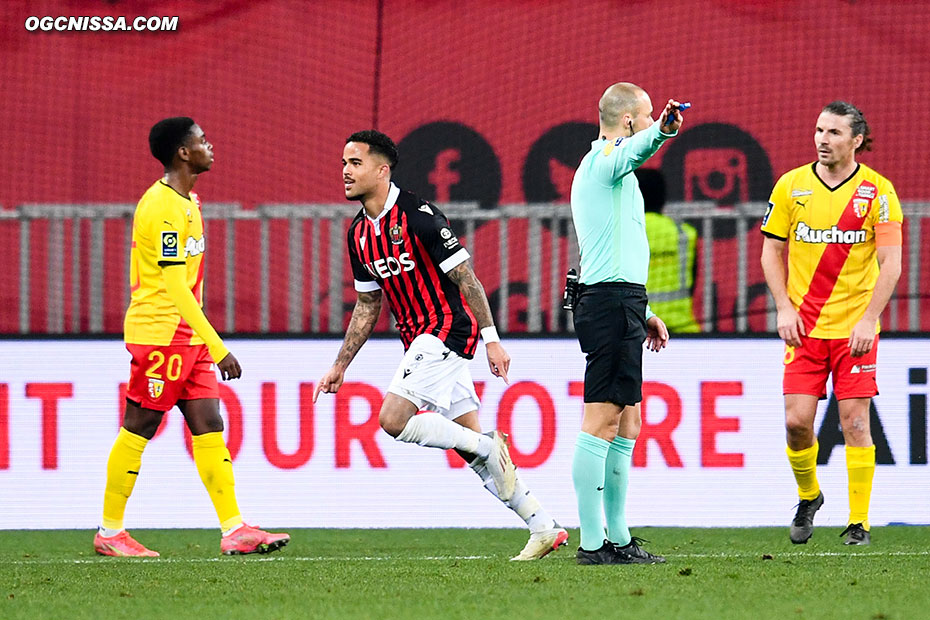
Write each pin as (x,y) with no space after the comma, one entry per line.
(156,387)
(395,234)
(169,244)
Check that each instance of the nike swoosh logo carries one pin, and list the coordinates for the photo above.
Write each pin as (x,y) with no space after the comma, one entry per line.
(129,471)
(600,488)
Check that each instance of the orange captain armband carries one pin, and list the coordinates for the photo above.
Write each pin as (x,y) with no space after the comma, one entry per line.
(888,234)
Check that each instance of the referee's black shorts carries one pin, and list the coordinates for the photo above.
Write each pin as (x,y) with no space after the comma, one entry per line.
(610,321)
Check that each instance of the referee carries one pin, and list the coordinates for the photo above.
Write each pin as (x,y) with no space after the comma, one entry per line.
(611,316)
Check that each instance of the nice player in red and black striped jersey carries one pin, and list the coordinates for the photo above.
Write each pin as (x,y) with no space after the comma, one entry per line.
(403,248)
(407,252)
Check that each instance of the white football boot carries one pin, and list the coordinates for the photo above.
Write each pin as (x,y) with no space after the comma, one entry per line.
(542,544)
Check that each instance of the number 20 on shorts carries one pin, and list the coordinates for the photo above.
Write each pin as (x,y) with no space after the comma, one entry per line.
(172,370)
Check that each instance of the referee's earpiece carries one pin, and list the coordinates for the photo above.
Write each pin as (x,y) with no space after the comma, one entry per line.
(630,123)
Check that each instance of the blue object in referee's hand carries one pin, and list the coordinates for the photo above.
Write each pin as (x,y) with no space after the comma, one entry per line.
(681,108)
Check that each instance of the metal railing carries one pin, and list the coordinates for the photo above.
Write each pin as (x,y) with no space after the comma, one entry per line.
(317,298)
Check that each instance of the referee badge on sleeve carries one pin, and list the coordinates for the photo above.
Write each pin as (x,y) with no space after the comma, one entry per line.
(611,145)
(169,244)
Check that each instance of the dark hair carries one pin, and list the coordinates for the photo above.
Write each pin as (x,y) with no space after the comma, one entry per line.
(857,121)
(377,143)
(167,136)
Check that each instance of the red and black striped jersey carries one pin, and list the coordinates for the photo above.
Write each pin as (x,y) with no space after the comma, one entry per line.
(406,252)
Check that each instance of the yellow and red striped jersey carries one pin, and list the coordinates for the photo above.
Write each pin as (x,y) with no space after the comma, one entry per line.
(831,235)
(167,228)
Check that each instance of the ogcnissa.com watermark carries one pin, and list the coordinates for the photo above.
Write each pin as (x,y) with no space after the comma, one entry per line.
(104,23)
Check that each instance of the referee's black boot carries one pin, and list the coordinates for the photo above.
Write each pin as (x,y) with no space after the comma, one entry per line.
(607,554)
(637,554)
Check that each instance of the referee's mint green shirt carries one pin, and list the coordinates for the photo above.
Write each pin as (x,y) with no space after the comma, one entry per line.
(607,208)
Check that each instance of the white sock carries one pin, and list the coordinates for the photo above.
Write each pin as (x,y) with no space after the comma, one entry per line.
(233,529)
(523,502)
(107,533)
(433,430)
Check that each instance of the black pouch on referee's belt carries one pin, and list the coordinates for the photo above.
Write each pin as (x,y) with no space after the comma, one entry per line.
(570,295)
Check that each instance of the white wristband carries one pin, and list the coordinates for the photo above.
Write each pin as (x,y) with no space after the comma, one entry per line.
(489,334)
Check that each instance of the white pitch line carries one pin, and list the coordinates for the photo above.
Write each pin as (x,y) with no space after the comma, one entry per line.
(444,558)
(798,554)
(277,558)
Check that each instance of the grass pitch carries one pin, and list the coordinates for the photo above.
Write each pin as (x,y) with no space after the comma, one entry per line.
(459,573)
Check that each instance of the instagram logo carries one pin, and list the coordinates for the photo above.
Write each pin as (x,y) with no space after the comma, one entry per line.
(718,175)
(717,163)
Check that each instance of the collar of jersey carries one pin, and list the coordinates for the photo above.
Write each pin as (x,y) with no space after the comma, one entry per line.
(842,183)
(187,198)
(393,193)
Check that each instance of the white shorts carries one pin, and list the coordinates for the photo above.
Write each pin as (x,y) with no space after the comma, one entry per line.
(434,377)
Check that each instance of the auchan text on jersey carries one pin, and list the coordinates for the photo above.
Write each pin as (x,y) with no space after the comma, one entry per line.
(805,233)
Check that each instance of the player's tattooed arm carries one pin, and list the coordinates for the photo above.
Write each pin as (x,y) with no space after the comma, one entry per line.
(473,292)
(464,277)
(364,317)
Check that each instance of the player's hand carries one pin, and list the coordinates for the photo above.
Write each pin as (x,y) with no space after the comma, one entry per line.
(790,327)
(330,382)
(670,113)
(656,334)
(229,367)
(862,337)
(498,360)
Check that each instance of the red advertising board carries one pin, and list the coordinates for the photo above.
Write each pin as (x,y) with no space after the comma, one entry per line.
(490,101)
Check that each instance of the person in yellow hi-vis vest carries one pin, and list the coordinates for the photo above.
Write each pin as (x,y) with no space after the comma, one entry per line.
(672,249)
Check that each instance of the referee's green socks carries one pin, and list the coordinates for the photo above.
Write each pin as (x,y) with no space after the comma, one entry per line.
(588,468)
(616,481)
